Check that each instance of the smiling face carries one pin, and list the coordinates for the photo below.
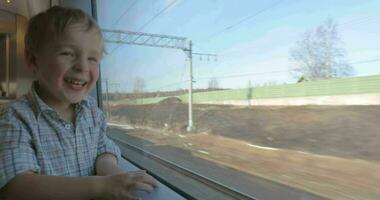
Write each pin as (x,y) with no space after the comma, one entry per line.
(67,68)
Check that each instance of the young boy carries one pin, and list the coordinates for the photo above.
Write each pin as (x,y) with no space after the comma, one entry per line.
(53,140)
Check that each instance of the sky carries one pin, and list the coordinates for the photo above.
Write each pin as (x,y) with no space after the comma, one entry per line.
(251,38)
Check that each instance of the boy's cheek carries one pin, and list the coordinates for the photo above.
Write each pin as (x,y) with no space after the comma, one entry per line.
(55,68)
(96,73)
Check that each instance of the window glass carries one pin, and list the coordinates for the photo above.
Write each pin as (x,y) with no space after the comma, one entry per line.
(2,60)
(4,65)
(284,93)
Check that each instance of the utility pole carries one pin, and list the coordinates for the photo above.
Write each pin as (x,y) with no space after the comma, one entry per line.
(107,100)
(190,127)
(108,85)
(163,41)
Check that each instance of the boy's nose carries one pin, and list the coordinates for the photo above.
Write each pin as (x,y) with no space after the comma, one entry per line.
(82,65)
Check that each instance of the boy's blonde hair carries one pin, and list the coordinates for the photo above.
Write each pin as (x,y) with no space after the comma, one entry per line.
(49,25)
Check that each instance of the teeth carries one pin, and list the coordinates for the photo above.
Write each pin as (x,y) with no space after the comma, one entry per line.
(76,82)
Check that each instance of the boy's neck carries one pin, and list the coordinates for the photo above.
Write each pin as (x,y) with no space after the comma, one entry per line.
(66,111)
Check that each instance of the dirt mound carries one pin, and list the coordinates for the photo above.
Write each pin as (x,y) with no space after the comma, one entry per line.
(170,100)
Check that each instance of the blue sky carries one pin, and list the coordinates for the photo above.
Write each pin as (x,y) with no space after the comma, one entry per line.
(250,47)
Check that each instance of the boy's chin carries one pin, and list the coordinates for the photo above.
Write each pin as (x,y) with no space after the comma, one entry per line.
(76,97)
(75,100)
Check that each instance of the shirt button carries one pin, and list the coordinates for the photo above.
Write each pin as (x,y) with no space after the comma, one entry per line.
(67,126)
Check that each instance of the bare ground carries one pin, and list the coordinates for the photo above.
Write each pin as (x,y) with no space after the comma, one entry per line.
(328,150)
(343,131)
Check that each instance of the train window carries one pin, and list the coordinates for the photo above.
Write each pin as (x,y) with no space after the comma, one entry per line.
(7,37)
(4,66)
(266,99)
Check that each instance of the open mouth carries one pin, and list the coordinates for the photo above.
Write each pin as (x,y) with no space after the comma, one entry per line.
(75,82)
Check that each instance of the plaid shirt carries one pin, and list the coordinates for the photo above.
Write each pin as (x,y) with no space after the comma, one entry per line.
(33,137)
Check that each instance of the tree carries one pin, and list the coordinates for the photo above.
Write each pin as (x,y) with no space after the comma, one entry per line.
(139,85)
(213,83)
(319,54)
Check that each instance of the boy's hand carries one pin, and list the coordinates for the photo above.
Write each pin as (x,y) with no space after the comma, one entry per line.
(120,186)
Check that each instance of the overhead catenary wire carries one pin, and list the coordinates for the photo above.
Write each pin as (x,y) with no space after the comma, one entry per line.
(242,21)
(359,21)
(149,21)
(249,74)
(365,61)
(245,19)
(279,71)
(156,15)
(243,75)
(360,24)
(114,25)
(223,77)
(117,21)
(124,13)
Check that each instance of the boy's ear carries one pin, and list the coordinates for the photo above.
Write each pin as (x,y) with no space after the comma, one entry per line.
(30,59)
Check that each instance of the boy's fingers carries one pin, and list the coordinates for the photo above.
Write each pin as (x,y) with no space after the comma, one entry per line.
(150,180)
(147,179)
(142,187)
(130,197)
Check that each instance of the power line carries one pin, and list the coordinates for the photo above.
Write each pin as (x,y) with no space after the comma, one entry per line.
(247,74)
(224,77)
(171,73)
(362,22)
(148,22)
(124,13)
(155,16)
(365,61)
(280,71)
(246,18)
(120,17)
(250,74)
(200,48)
(361,19)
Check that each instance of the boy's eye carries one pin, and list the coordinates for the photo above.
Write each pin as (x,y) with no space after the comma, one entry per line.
(93,59)
(67,53)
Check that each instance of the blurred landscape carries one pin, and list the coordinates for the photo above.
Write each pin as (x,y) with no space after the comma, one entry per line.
(331,151)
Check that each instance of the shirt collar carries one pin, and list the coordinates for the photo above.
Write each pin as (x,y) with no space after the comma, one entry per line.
(39,106)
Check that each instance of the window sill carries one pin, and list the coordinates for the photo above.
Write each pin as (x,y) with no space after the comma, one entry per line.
(161,192)
(176,183)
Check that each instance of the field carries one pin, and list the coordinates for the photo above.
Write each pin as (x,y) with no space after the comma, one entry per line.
(331,151)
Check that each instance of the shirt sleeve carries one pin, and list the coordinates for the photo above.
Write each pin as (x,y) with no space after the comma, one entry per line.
(17,154)
(105,144)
